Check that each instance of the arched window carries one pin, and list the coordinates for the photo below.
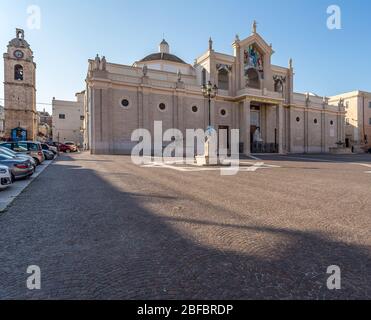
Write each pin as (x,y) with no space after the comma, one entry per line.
(223,79)
(253,80)
(203,76)
(18,73)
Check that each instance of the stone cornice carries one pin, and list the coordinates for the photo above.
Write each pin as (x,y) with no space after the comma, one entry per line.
(20,84)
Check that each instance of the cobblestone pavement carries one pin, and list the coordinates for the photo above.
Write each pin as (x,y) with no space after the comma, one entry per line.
(101,228)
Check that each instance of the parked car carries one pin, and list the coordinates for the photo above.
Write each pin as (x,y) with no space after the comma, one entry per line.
(72,145)
(11,153)
(52,148)
(46,147)
(48,155)
(18,168)
(5,177)
(33,149)
(64,148)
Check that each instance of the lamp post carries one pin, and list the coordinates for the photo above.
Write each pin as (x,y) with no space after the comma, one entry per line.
(210,92)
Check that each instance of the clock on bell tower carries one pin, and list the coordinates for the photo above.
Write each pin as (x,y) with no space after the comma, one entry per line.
(20,88)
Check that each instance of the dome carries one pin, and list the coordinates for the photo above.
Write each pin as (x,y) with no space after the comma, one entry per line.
(162,56)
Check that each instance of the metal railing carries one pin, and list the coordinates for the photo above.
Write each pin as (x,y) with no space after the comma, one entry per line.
(261,147)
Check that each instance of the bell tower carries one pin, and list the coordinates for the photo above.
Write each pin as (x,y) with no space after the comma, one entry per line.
(20,87)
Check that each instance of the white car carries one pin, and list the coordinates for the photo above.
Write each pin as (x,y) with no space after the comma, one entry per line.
(5,177)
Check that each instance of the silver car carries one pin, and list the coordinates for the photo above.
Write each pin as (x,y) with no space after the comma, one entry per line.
(20,156)
(19,168)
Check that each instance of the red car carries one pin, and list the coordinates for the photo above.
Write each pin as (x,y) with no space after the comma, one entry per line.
(64,147)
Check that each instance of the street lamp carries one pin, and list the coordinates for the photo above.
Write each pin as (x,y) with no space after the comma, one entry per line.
(210,92)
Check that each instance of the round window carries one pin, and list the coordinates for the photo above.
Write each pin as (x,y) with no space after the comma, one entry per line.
(162,106)
(194,109)
(332,122)
(297,119)
(315,121)
(223,112)
(125,103)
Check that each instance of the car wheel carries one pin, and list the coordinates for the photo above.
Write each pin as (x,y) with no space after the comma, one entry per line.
(37,161)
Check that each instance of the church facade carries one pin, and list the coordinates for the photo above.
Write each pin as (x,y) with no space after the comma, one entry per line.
(254,96)
(20,90)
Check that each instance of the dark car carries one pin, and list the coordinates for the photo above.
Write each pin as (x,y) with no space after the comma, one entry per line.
(19,169)
(20,156)
(48,155)
(46,147)
(30,148)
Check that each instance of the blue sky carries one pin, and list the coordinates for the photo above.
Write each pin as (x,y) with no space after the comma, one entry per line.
(326,62)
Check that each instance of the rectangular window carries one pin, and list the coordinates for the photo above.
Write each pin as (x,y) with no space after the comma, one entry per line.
(369,104)
(347,121)
(369,121)
(62,116)
(82,118)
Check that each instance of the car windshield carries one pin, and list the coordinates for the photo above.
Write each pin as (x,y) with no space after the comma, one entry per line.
(33,147)
(20,147)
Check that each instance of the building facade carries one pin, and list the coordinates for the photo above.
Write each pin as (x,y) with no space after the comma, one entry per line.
(68,119)
(2,120)
(20,88)
(45,122)
(254,96)
(358,118)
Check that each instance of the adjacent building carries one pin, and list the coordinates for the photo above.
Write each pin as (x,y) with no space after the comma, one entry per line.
(45,122)
(68,119)
(2,118)
(358,118)
(20,90)
(45,118)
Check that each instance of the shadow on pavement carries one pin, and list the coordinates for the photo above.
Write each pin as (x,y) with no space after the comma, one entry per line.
(319,158)
(93,241)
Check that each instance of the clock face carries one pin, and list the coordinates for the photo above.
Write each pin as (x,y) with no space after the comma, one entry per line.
(18,54)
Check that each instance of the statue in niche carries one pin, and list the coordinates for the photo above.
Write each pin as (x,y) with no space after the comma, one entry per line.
(253,58)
